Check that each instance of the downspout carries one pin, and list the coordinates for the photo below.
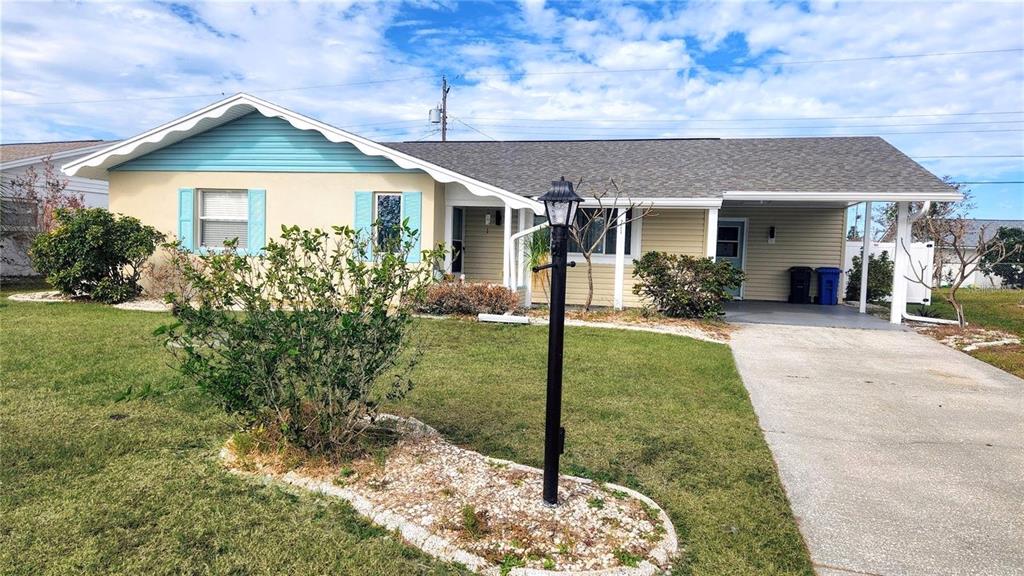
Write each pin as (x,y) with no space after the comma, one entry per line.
(914,218)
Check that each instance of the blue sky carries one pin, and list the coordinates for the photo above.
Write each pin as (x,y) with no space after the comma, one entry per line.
(535,70)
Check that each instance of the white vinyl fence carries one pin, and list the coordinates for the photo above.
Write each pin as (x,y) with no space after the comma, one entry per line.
(921,254)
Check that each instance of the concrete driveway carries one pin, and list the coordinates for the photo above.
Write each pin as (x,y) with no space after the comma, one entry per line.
(900,456)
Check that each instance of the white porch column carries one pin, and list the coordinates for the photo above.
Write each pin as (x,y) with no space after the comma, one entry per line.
(901,261)
(523,275)
(449,224)
(865,254)
(506,274)
(711,242)
(620,257)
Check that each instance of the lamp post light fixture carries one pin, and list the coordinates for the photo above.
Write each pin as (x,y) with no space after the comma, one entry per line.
(560,204)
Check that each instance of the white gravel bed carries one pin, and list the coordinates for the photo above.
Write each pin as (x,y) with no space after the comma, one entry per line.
(139,304)
(461,506)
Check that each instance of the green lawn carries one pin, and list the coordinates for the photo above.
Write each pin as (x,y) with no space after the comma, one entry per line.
(996,309)
(93,485)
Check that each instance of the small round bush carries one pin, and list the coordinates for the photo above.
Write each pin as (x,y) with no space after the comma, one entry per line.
(94,253)
(682,286)
(455,297)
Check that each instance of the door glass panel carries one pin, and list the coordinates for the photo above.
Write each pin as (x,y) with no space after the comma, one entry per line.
(729,233)
(728,249)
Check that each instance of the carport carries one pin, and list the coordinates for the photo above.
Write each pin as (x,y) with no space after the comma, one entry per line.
(839,316)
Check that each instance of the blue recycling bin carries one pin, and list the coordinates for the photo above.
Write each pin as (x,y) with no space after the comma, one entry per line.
(828,286)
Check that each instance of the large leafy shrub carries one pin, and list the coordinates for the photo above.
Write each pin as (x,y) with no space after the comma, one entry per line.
(305,340)
(93,253)
(682,286)
(879,278)
(455,297)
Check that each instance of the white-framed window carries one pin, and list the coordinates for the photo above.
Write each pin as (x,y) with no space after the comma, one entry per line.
(387,214)
(223,215)
(607,247)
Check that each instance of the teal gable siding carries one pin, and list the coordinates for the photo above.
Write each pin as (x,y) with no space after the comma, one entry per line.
(256,143)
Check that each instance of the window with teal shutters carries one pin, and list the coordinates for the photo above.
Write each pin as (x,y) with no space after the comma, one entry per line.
(412,209)
(363,218)
(257,220)
(186,218)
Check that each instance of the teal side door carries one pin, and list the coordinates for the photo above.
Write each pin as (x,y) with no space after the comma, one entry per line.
(731,248)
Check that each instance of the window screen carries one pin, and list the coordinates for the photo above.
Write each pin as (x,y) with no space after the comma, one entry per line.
(224,215)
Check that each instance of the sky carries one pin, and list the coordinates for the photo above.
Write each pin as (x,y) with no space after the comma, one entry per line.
(943,82)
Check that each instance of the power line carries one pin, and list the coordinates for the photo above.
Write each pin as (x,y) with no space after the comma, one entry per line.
(223,93)
(766,119)
(460,121)
(972,156)
(908,133)
(818,127)
(994,182)
(783,63)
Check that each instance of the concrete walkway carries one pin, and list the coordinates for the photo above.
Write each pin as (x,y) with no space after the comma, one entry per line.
(900,456)
(838,316)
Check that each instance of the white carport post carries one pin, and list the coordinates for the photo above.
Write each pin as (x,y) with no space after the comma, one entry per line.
(865,254)
(901,261)
(506,274)
(449,222)
(620,256)
(711,242)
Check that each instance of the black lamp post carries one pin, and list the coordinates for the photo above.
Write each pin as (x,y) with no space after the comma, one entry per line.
(560,203)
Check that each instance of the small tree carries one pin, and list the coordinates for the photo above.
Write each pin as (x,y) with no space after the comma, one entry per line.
(879,278)
(592,226)
(1011,269)
(538,253)
(307,339)
(93,253)
(48,192)
(957,238)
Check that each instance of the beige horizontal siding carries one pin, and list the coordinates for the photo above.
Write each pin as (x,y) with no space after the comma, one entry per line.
(674,231)
(803,237)
(483,245)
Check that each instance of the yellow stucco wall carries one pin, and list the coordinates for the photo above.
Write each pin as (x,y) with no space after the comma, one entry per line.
(804,237)
(307,200)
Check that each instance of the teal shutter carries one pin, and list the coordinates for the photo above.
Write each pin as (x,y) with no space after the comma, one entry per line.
(412,211)
(186,218)
(364,218)
(257,220)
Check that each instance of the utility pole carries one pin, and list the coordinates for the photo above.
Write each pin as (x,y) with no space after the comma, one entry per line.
(444,108)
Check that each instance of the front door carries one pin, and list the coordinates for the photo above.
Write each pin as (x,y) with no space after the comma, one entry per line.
(458,238)
(731,237)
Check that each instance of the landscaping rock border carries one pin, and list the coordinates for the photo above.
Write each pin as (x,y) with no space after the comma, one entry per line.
(657,561)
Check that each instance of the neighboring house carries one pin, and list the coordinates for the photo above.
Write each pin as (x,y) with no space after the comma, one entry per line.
(18,223)
(975,228)
(244,166)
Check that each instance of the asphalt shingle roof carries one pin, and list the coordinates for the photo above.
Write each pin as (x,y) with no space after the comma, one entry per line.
(12,152)
(686,168)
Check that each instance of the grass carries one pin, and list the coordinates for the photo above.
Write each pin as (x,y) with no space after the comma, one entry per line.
(994,309)
(95,485)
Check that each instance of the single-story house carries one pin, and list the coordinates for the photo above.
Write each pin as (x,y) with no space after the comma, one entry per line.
(244,166)
(19,221)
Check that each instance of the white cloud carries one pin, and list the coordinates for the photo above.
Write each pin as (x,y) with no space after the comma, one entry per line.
(85,51)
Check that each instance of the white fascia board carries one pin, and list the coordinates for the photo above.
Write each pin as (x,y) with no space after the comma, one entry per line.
(783,196)
(74,152)
(95,165)
(656,202)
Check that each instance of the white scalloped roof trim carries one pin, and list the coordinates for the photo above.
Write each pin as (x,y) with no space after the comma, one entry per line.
(241,104)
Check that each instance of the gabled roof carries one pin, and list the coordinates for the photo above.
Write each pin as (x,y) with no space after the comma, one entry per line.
(96,165)
(12,155)
(831,168)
